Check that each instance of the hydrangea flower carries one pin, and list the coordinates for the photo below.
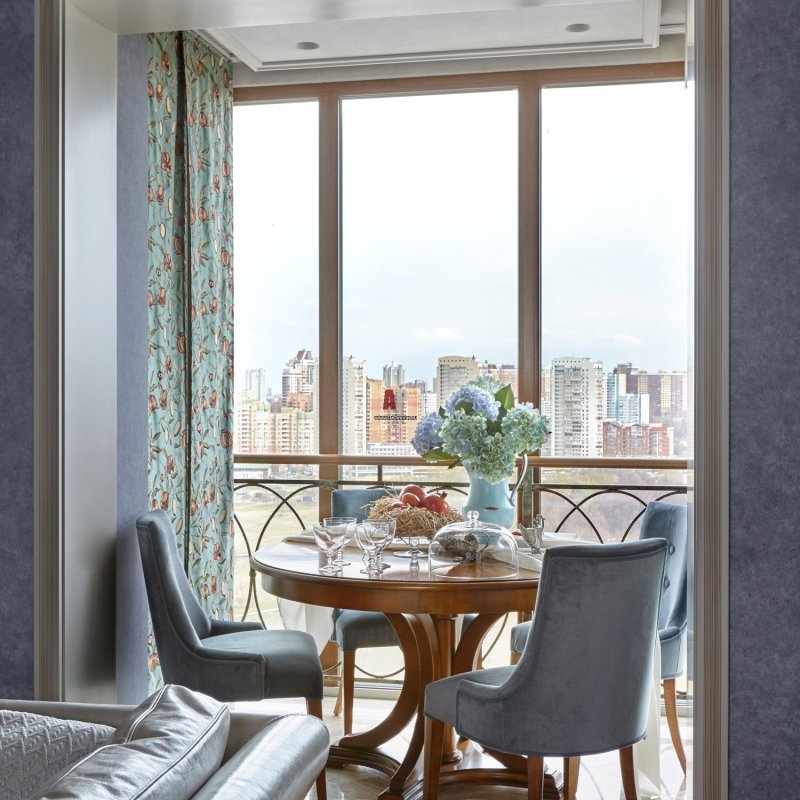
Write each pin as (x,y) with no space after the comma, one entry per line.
(426,435)
(464,435)
(525,427)
(497,459)
(481,401)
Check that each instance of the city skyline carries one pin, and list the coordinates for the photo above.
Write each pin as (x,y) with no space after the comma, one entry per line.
(622,410)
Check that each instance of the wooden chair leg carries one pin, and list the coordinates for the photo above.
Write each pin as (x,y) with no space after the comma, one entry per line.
(514,657)
(348,688)
(628,773)
(572,767)
(337,709)
(434,739)
(536,777)
(671,706)
(315,710)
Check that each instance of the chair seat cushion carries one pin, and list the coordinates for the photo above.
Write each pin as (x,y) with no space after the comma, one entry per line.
(293,668)
(169,747)
(356,629)
(440,696)
(519,636)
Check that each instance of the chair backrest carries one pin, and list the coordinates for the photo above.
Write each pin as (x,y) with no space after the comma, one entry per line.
(355,502)
(178,620)
(669,521)
(582,683)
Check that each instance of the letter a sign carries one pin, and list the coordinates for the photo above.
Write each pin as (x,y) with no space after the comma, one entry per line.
(389,402)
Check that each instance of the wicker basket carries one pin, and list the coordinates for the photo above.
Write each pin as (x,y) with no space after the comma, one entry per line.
(412,521)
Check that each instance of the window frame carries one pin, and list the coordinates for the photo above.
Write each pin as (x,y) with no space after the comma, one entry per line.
(529,85)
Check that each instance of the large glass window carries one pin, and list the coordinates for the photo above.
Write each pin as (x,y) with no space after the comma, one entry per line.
(616,189)
(429,242)
(276,212)
(276,303)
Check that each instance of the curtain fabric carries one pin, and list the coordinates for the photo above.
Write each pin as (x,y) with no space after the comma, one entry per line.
(190,299)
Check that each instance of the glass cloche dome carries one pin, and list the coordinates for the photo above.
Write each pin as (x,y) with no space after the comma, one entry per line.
(473,550)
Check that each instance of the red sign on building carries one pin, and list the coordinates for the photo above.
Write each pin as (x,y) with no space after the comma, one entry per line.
(389,400)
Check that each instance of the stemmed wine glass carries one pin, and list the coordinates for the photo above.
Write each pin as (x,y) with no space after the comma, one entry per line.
(329,540)
(388,537)
(343,523)
(371,537)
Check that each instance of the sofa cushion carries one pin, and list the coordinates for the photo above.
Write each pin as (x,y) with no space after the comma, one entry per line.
(34,749)
(168,748)
(281,761)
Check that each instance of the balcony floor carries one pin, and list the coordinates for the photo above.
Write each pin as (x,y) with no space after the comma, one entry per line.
(600,777)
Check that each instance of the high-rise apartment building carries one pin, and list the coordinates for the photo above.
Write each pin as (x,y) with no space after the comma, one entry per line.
(255,381)
(392,412)
(453,372)
(634,440)
(354,405)
(577,404)
(394,374)
(300,376)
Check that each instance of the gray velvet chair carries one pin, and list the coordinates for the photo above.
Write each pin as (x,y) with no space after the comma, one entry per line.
(666,521)
(229,661)
(582,684)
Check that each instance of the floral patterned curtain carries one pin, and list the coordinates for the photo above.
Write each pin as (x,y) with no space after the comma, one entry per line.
(190,298)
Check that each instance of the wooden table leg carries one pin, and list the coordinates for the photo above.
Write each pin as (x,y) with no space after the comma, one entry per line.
(446,636)
(414,682)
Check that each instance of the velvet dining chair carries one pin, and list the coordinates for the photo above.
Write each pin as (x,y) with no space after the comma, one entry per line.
(582,685)
(229,661)
(667,521)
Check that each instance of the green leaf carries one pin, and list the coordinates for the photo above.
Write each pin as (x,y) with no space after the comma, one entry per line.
(442,413)
(465,406)
(493,426)
(505,396)
(438,454)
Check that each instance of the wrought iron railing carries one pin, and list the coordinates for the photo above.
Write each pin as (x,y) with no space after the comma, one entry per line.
(594,511)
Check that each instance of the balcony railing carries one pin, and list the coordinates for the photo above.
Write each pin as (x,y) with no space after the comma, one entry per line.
(599,499)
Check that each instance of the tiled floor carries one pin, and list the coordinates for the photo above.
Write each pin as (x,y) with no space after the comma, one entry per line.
(599,778)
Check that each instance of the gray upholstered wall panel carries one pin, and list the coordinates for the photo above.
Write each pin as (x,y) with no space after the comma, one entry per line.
(765,399)
(16,353)
(132,363)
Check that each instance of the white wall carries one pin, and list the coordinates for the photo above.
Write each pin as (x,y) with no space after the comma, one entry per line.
(90,358)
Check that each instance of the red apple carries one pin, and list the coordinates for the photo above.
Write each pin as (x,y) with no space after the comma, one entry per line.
(410,499)
(412,488)
(397,505)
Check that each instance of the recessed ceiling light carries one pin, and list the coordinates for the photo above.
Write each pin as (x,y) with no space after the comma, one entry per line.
(307,46)
(578,27)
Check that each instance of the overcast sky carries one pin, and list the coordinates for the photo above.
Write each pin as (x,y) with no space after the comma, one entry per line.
(429,228)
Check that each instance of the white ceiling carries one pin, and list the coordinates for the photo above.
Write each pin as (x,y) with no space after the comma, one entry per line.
(265,34)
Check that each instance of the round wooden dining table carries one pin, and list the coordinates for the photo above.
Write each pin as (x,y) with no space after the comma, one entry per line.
(423,610)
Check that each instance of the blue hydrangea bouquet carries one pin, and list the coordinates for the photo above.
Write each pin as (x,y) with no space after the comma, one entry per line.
(482,427)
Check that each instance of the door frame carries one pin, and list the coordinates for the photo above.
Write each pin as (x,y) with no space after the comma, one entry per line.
(709,60)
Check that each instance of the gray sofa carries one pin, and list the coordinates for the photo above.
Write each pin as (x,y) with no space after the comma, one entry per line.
(257,756)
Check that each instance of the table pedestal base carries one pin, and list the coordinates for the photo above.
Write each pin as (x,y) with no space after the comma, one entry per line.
(475,769)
